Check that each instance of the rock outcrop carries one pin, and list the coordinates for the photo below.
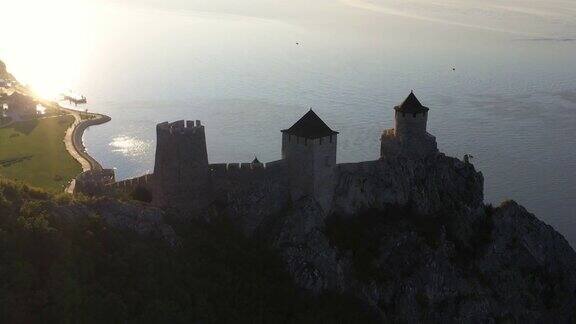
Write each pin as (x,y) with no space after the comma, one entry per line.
(430,185)
(414,240)
(139,218)
(411,238)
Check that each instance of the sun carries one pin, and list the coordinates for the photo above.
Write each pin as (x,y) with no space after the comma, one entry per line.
(49,48)
(47,88)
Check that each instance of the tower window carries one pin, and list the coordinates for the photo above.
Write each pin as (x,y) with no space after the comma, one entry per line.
(327,160)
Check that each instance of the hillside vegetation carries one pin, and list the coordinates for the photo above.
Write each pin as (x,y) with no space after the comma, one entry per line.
(54,269)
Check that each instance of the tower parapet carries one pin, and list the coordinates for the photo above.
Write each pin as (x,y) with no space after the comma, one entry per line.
(183,175)
(309,149)
(409,136)
(181,165)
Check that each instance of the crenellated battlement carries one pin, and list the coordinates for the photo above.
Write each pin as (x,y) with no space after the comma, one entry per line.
(245,168)
(128,185)
(183,179)
(180,127)
(308,168)
(94,182)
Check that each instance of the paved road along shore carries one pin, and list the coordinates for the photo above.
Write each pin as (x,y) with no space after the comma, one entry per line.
(74,144)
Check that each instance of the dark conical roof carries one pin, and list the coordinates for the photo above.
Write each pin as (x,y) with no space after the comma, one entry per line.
(310,126)
(411,105)
(255,161)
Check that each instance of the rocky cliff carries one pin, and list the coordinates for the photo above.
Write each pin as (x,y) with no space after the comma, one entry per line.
(134,217)
(414,240)
(411,238)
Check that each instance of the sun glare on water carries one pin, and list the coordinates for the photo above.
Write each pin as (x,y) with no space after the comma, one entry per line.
(48,44)
(130,146)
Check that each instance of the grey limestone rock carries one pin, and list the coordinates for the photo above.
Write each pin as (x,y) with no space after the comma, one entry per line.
(142,219)
(426,249)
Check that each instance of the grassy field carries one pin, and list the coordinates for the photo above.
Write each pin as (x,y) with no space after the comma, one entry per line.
(34,152)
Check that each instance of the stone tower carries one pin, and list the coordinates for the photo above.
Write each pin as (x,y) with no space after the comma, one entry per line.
(309,151)
(409,136)
(181,166)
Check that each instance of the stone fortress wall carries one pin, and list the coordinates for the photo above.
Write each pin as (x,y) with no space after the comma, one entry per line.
(181,163)
(308,168)
(218,173)
(128,185)
(311,165)
(183,176)
(286,202)
(94,182)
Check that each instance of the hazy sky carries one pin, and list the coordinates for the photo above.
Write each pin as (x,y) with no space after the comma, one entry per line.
(54,43)
(544,18)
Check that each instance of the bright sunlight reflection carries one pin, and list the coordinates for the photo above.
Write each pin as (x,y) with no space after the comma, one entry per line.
(130,146)
(52,41)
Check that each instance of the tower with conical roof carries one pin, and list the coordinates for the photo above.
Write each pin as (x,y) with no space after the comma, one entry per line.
(309,151)
(409,136)
(410,117)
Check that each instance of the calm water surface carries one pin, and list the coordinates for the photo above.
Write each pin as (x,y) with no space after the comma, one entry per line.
(511,101)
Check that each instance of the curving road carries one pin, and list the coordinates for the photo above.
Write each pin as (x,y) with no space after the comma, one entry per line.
(74,144)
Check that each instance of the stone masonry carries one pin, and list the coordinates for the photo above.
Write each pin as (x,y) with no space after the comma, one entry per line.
(183,176)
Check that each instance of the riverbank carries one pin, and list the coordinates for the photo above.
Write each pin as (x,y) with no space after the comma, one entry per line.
(75,145)
(31,148)
(73,138)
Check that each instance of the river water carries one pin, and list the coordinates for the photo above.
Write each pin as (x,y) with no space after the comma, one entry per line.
(498,76)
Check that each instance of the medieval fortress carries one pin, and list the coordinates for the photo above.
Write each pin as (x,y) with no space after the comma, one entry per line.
(183,176)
